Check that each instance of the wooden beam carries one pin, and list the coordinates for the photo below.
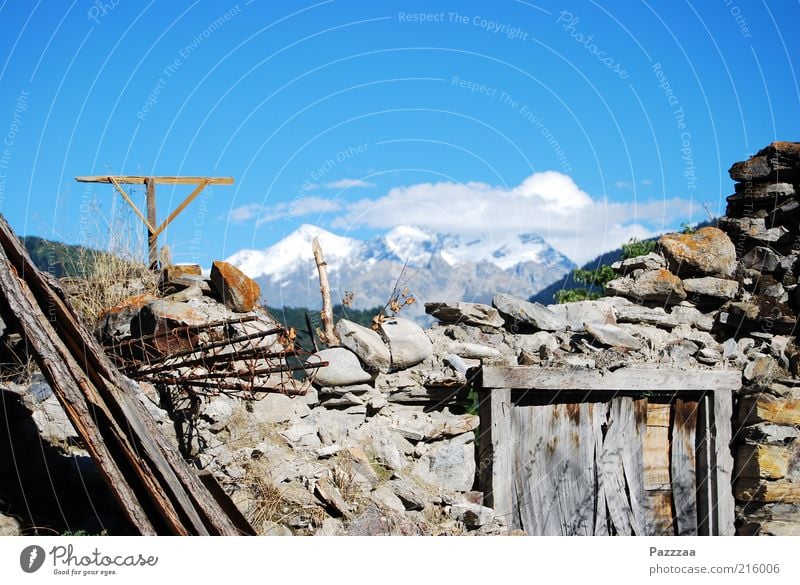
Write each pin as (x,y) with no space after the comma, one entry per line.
(631,379)
(192,196)
(130,202)
(159,180)
(152,221)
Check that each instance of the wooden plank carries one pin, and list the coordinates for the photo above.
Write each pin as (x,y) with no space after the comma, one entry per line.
(723,463)
(140,180)
(621,422)
(656,476)
(91,391)
(633,465)
(555,468)
(706,515)
(634,379)
(496,453)
(683,465)
(601,519)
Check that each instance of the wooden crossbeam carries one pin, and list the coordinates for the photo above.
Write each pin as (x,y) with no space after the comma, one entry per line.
(150,221)
(161,180)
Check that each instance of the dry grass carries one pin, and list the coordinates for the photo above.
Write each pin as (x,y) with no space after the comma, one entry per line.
(112,263)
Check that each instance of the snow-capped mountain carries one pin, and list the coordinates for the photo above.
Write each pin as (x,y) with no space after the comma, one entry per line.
(440,266)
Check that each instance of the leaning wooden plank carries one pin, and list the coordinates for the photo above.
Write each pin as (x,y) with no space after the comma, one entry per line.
(662,380)
(198,506)
(142,448)
(81,411)
(620,428)
(723,463)
(683,464)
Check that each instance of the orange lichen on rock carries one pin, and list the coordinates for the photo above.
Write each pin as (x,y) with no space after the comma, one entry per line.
(238,291)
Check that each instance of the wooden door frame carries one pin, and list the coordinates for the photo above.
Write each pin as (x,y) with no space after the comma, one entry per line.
(498,385)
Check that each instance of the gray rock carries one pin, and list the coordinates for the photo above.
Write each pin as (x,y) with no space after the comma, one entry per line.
(685,313)
(652,316)
(574,315)
(366,344)
(706,251)
(613,336)
(761,258)
(343,368)
(754,228)
(411,494)
(331,527)
(709,356)
(416,425)
(450,464)
(193,292)
(374,522)
(761,370)
(302,435)
(465,313)
(356,389)
(408,344)
(472,515)
(9,526)
(651,261)
(658,286)
(472,350)
(335,426)
(521,311)
(533,343)
(709,286)
(146,320)
(330,495)
(276,408)
(384,496)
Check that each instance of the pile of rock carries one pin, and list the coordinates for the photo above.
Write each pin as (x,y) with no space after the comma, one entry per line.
(763,220)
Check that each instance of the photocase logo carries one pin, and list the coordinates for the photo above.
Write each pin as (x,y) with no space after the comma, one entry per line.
(31,558)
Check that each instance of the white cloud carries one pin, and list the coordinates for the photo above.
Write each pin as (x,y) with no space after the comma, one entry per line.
(284,210)
(626,185)
(647,182)
(244,213)
(547,203)
(349,184)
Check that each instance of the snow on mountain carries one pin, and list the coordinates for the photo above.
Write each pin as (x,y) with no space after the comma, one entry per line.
(442,266)
(282,258)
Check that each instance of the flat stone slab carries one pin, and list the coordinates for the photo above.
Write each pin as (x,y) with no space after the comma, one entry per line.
(613,336)
(521,311)
(465,314)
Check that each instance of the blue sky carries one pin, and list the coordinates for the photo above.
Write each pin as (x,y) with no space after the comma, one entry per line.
(587,122)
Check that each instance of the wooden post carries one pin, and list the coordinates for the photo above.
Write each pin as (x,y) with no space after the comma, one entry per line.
(331,339)
(152,237)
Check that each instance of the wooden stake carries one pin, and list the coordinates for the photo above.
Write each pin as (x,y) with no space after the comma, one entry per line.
(330,337)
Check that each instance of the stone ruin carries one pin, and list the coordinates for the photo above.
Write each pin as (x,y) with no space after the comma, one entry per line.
(384,440)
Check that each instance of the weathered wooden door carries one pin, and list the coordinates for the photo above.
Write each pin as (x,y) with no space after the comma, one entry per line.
(565,454)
